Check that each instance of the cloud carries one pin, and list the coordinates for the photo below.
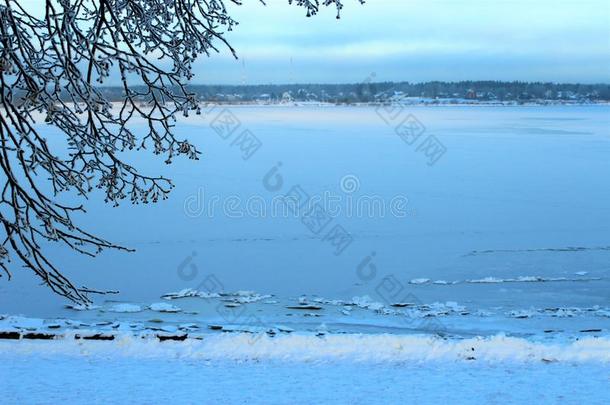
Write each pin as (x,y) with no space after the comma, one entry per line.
(409,40)
(415,40)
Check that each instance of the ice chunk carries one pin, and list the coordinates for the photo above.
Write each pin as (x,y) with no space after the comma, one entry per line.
(522,314)
(188,293)
(125,308)
(81,307)
(486,280)
(164,307)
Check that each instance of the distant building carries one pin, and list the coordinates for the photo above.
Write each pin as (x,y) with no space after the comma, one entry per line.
(471,94)
(233,97)
(264,97)
(286,96)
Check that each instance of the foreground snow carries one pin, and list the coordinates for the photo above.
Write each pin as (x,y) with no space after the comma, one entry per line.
(297,368)
(73,380)
(308,347)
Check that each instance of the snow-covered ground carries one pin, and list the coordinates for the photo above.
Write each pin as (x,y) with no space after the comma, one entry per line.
(306,369)
(501,245)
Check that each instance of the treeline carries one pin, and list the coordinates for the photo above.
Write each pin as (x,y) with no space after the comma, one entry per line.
(384,91)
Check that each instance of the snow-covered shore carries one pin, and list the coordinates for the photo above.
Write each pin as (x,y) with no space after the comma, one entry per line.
(234,368)
(308,347)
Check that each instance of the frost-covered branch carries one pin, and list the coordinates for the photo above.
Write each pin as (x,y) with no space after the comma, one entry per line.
(52,62)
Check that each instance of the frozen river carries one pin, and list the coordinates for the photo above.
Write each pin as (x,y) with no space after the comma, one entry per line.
(485,219)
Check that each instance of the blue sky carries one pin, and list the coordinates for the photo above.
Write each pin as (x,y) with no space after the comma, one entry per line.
(413,40)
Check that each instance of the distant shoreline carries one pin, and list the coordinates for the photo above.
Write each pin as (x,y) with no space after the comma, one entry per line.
(367,92)
(422,103)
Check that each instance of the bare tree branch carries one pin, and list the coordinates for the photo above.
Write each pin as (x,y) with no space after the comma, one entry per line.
(50,65)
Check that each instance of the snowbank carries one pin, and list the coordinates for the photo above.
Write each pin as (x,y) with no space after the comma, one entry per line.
(301,347)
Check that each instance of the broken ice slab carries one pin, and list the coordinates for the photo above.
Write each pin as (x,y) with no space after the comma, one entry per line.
(305,307)
(164,307)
